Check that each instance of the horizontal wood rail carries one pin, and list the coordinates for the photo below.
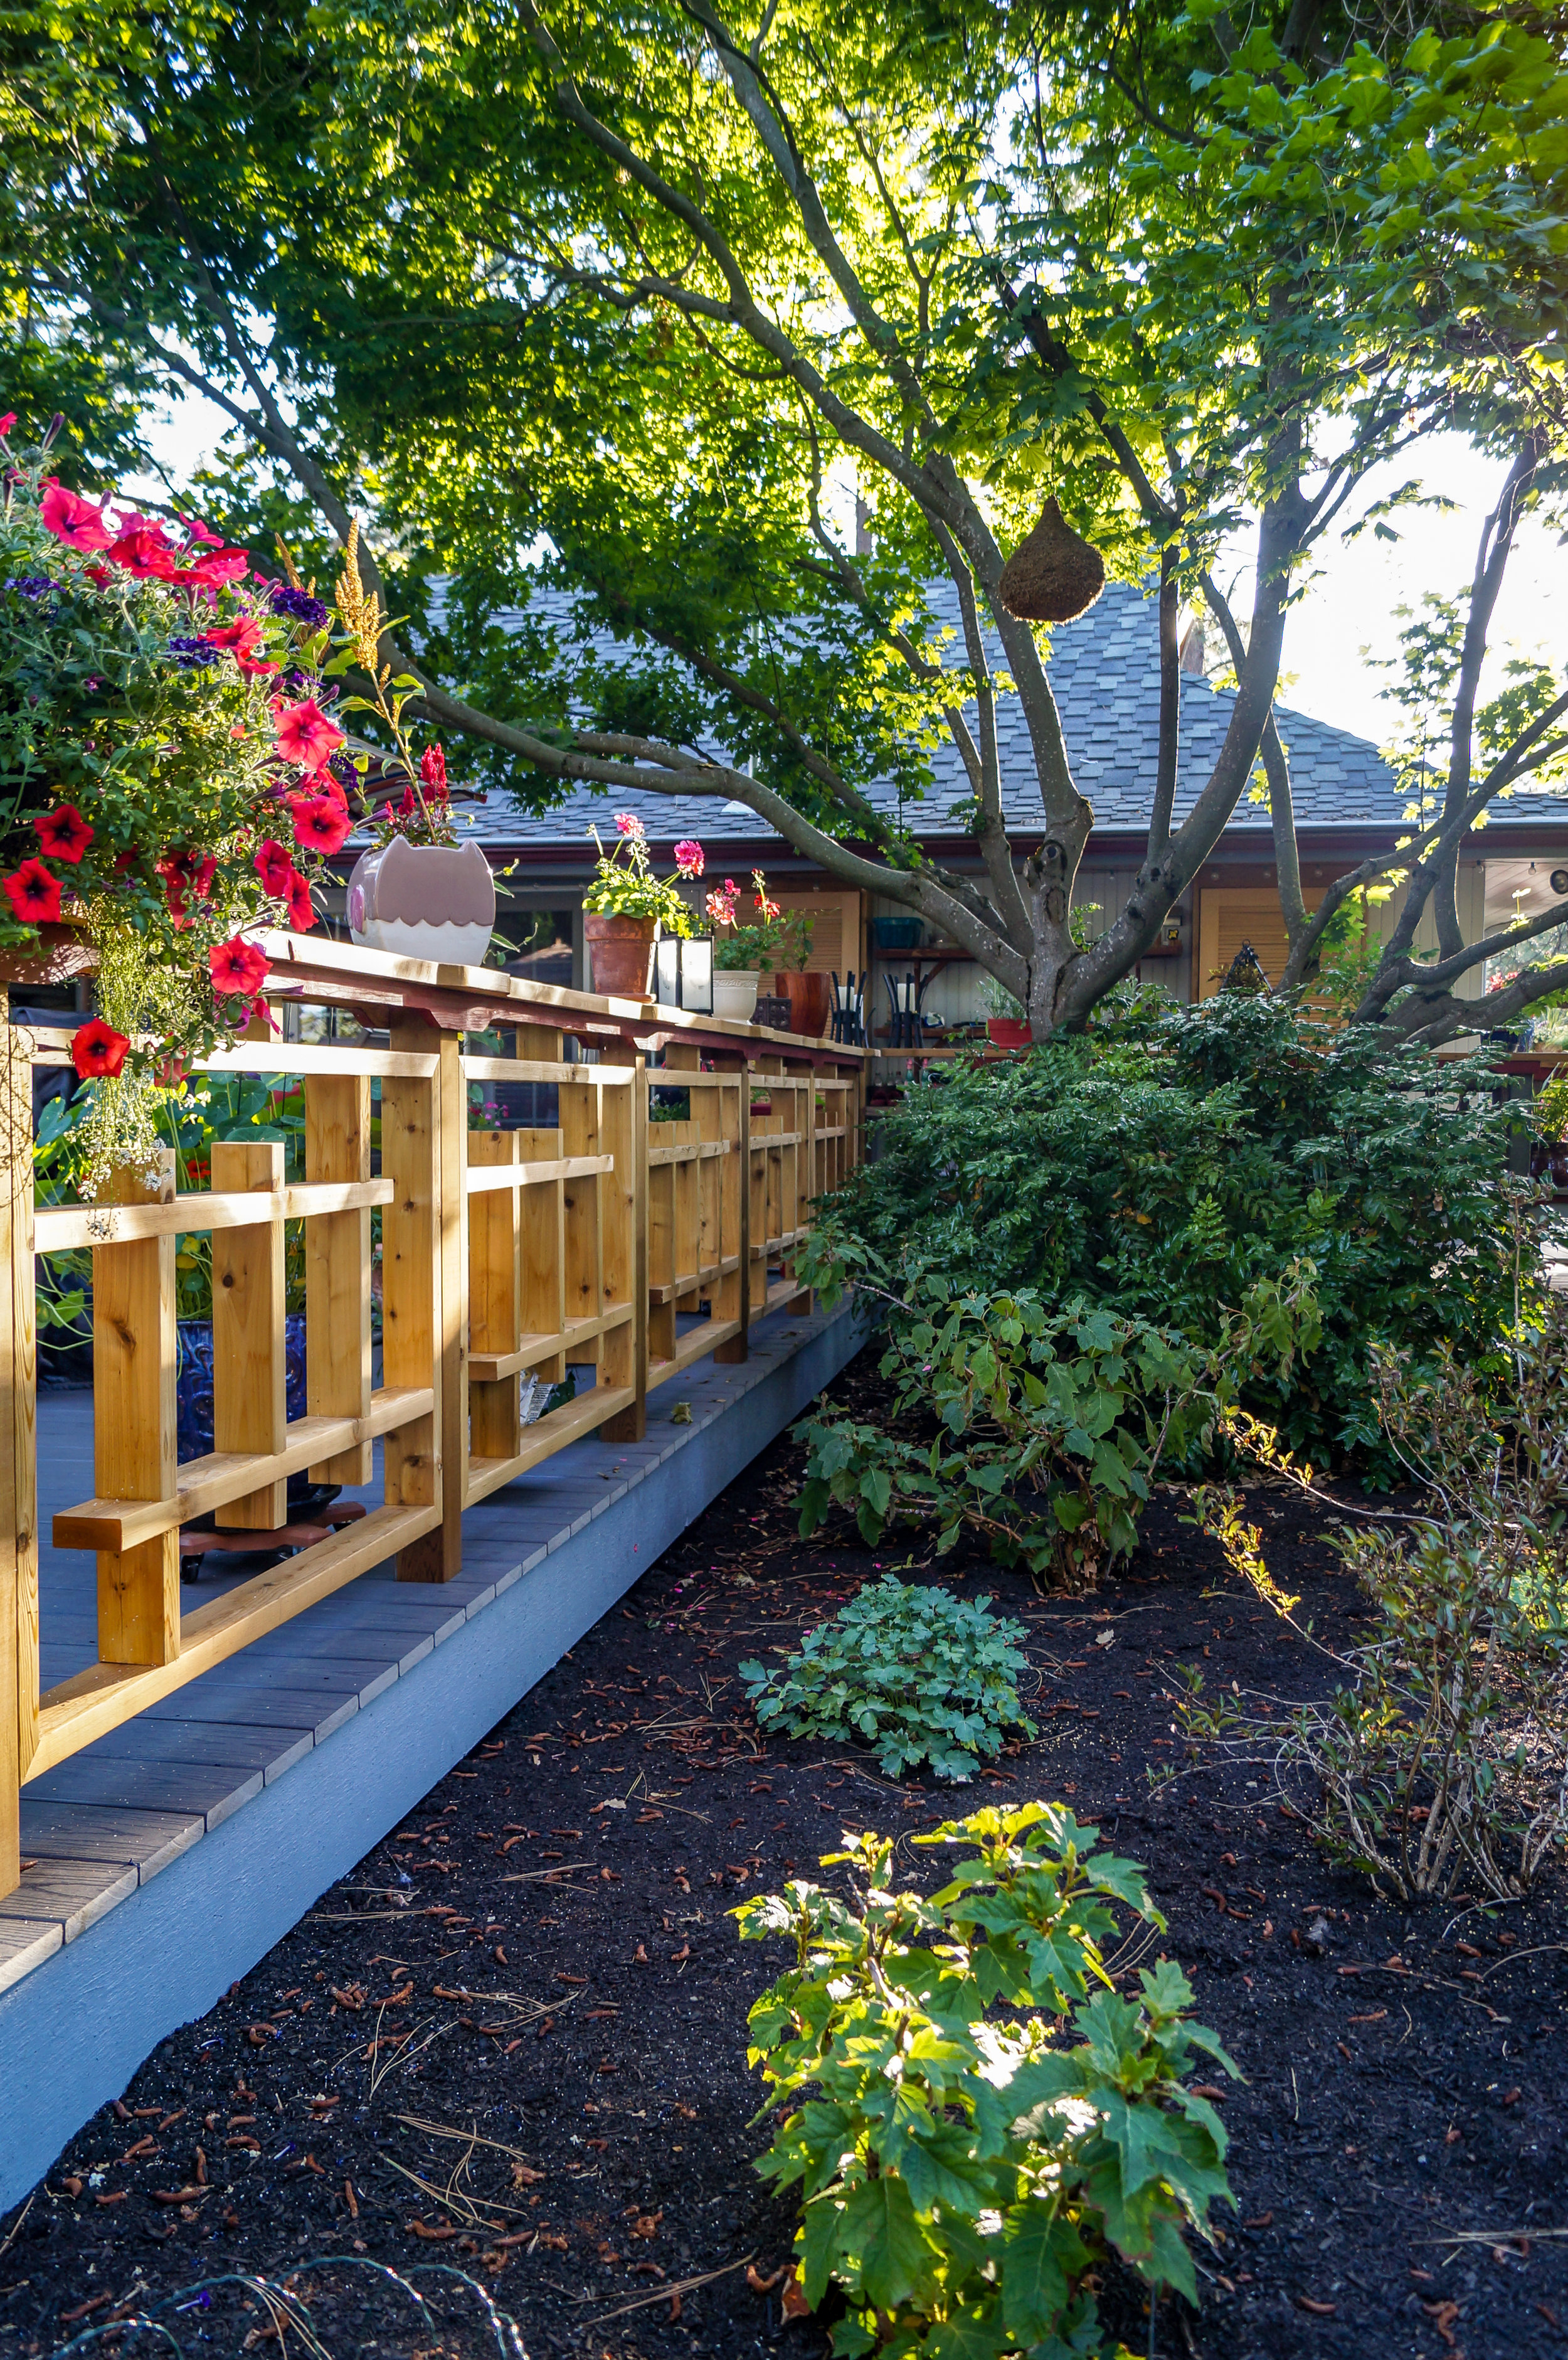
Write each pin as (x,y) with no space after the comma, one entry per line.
(597,1256)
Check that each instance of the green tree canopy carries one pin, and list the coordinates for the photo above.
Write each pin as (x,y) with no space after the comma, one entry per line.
(634,302)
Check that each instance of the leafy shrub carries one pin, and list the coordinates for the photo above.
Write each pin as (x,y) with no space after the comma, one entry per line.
(1162,1174)
(1445,1757)
(1049,1427)
(961,2173)
(919,1674)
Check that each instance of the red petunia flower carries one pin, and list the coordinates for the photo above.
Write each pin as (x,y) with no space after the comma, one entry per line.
(200,533)
(257,667)
(238,637)
(75,521)
(322,825)
(237,966)
(142,550)
(33,894)
(304,734)
(97,1049)
(274,867)
(6,424)
(63,833)
(216,570)
(301,915)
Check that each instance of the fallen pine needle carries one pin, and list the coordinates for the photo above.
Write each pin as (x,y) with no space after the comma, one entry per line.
(664,2293)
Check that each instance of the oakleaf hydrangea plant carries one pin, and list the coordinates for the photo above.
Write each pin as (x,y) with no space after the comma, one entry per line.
(919,1674)
(970,2133)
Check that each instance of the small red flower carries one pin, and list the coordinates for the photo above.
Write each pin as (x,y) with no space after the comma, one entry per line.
(301,917)
(6,424)
(237,966)
(239,638)
(172,1072)
(98,1050)
(33,894)
(304,734)
(432,772)
(322,825)
(274,868)
(408,807)
(63,833)
(214,572)
(255,667)
(75,521)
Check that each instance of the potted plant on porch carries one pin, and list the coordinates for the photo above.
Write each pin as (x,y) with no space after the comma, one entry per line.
(166,782)
(418,893)
(741,952)
(805,989)
(627,906)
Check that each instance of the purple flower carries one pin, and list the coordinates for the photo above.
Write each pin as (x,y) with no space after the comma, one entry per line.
(31,586)
(190,655)
(299,605)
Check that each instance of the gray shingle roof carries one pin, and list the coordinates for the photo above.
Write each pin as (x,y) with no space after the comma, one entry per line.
(1105,672)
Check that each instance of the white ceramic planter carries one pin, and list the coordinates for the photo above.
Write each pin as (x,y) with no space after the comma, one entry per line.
(433,901)
(734,991)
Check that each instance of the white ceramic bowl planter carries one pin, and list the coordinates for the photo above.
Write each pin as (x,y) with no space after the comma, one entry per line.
(734,991)
(431,901)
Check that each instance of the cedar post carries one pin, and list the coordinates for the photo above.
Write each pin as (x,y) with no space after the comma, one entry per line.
(623,1133)
(135,1353)
(414,1342)
(18,1461)
(732,1299)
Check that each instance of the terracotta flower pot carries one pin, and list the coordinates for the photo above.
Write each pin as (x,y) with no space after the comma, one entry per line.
(1008,1031)
(734,992)
(423,901)
(622,952)
(810,1002)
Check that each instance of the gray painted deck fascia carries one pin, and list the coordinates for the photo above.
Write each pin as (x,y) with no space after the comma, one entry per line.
(145,1915)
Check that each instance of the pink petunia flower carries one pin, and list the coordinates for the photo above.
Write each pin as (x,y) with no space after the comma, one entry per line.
(322,825)
(274,868)
(689,857)
(75,521)
(6,424)
(237,966)
(301,915)
(304,734)
(63,833)
(33,894)
(142,550)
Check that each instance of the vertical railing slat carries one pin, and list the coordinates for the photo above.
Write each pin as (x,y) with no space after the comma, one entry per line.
(338,1270)
(411,1291)
(18,1454)
(250,1380)
(494,1297)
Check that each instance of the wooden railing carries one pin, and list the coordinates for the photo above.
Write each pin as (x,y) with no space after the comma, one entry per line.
(608,1246)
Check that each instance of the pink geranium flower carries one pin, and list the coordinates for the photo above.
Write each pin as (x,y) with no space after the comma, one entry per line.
(63,833)
(628,824)
(75,521)
(237,966)
(304,734)
(689,857)
(33,894)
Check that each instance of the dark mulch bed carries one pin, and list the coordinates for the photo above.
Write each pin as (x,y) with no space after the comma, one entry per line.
(543,1957)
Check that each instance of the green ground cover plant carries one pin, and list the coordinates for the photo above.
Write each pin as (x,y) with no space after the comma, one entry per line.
(1163,1170)
(1050,1426)
(964,2164)
(919,1674)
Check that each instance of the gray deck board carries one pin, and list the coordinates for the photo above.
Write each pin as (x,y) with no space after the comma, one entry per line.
(267,1777)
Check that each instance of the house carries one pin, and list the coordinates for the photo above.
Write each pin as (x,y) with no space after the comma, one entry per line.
(1104,670)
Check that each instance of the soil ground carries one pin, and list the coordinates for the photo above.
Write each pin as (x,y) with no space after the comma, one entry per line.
(513,2040)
